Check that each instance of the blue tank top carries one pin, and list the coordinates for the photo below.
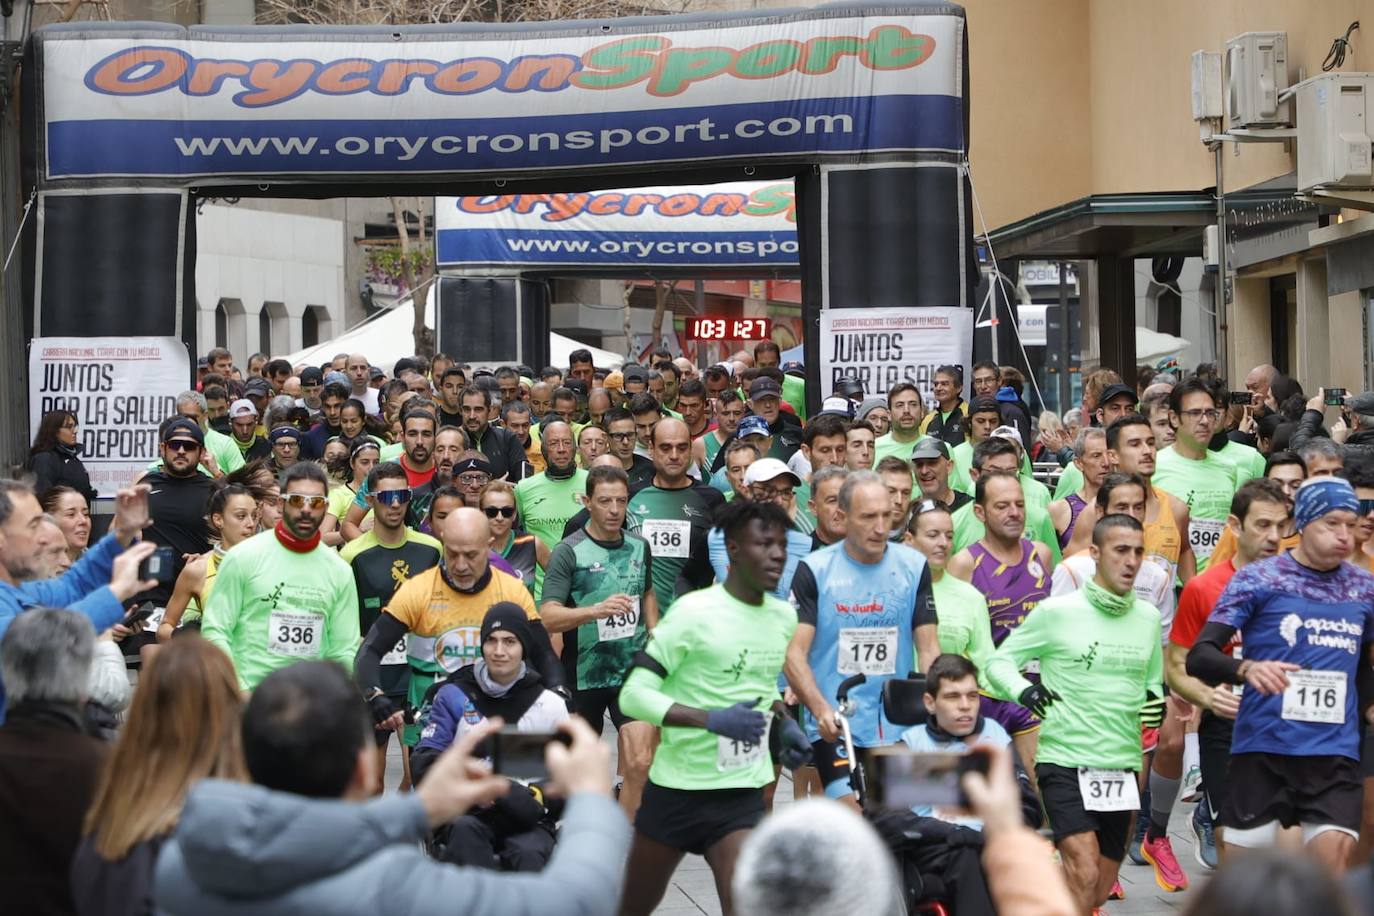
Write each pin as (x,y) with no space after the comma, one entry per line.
(864,616)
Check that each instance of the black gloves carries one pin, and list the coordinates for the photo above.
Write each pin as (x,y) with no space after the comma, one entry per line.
(795,750)
(1037,698)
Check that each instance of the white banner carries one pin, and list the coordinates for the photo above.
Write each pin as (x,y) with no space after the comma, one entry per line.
(119,388)
(885,346)
(734,225)
(216,103)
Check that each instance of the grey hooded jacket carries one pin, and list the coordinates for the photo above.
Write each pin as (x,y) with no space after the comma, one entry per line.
(242,849)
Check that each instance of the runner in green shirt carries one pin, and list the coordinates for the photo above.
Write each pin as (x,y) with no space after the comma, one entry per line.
(1101,670)
(546,501)
(1187,470)
(673,513)
(961,610)
(598,594)
(282,596)
(904,401)
(708,676)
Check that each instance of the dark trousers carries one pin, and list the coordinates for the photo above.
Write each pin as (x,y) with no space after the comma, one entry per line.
(473,841)
(943,859)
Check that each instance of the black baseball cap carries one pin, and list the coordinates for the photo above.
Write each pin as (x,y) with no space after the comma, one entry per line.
(258,386)
(984,405)
(929,447)
(183,428)
(1115,391)
(764,387)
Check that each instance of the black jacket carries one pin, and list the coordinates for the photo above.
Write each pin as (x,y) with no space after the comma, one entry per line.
(504,453)
(49,767)
(60,467)
(123,888)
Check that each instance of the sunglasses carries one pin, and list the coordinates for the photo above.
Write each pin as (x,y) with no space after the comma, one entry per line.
(182,445)
(301,501)
(394,497)
(503,511)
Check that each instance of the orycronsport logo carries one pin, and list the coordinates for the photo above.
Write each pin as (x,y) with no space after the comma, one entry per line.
(770,200)
(650,61)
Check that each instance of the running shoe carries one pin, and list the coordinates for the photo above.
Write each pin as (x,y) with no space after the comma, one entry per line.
(1118,892)
(1142,823)
(1191,789)
(1204,839)
(1168,873)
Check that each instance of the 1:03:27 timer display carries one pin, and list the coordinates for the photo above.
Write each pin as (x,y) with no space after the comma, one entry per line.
(711,327)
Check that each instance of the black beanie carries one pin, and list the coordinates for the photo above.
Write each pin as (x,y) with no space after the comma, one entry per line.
(509,616)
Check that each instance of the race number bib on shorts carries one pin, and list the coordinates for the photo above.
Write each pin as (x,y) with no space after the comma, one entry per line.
(667,538)
(295,634)
(732,754)
(1203,534)
(1108,790)
(1315,696)
(397,655)
(868,650)
(618,626)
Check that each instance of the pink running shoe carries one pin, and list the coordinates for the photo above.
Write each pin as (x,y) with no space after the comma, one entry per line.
(1168,873)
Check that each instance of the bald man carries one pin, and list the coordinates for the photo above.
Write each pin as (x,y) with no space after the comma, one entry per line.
(439,614)
(686,368)
(359,372)
(1259,380)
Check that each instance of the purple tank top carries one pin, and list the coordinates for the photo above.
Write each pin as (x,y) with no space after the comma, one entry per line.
(1076,507)
(1012,591)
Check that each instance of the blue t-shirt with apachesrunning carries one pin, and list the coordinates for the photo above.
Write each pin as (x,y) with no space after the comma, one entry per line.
(1321,621)
(864,615)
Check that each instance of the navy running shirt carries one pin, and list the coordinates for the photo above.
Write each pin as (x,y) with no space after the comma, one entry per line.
(1320,620)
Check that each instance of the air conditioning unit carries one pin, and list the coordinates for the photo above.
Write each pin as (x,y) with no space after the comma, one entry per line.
(1334,147)
(1256,73)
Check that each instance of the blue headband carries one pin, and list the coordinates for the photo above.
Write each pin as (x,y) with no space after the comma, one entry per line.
(1321,495)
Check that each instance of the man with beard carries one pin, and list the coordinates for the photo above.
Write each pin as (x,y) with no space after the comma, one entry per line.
(673,513)
(904,402)
(177,496)
(417,460)
(282,596)
(546,501)
(503,449)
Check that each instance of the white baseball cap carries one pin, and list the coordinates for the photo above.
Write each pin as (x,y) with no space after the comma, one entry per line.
(766,469)
(242,408)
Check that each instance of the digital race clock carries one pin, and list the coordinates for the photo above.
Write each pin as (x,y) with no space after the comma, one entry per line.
(710,327)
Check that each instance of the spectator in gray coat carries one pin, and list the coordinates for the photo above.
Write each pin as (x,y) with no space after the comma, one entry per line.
(303,840)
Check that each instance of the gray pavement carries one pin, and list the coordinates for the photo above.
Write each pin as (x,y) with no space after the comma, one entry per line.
(693,890)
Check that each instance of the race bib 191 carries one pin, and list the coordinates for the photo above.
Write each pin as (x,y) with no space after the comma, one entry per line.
(1203,535)
(1108,790)
(397,655)
(1315,696)
(668,538)
(868,650)
(732,754)
(295,634)
(618,626)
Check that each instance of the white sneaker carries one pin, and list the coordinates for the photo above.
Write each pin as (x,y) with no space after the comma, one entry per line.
(1191,788)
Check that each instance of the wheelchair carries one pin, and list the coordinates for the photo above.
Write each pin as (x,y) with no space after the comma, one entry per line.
(903,705)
